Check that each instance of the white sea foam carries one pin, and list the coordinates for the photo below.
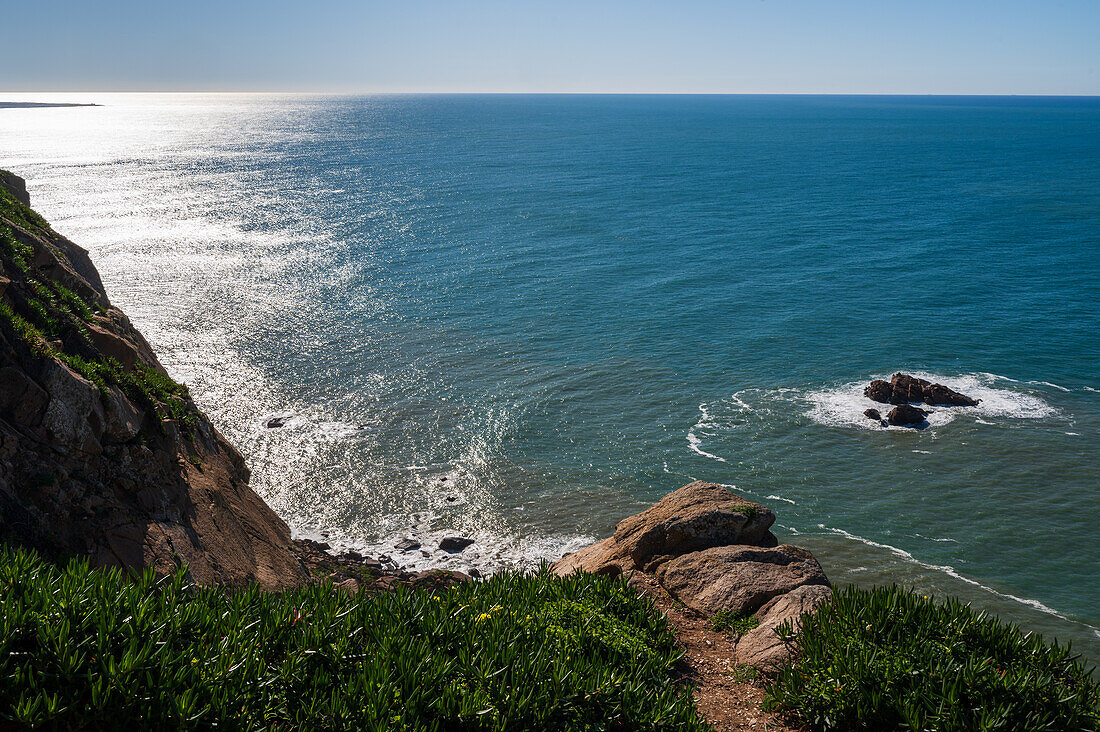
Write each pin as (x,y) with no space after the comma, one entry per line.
(843,406)
(1053,386)
(490,552)
(948,570)
(779,498)
(694,442)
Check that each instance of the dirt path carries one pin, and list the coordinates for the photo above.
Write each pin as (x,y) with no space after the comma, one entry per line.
(723,696)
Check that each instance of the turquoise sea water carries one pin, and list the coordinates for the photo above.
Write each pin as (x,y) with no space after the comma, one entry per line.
(524,318)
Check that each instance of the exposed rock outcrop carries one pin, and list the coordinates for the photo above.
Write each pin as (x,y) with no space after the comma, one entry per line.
(903,388)
(738,579)
(698,516)
(906,415)
(102,454)
(762,647)
(712,550)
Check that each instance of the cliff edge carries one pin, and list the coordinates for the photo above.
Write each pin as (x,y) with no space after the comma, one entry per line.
(102,454)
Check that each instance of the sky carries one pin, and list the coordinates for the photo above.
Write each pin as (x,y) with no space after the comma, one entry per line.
(684,46)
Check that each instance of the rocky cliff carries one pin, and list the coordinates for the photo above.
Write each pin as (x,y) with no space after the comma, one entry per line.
(713,553)
(102,454)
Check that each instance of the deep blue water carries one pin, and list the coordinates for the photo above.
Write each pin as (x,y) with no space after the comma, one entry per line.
(554,309)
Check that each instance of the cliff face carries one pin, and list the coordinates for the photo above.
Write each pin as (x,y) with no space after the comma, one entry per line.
(102,454)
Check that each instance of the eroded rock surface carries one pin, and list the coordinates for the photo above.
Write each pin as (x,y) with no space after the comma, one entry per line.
(698,516)
(101,454)
(904,388)
(738,579)
(712,550)
(906,415)
(762,647)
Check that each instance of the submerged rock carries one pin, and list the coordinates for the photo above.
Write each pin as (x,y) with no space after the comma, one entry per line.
(407,545)
(906,415)
(276,422)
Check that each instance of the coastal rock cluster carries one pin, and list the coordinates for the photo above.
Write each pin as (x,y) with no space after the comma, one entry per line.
(102,454)
(713,551)
(905,391)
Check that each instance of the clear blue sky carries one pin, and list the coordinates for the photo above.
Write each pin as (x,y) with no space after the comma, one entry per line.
(827,46)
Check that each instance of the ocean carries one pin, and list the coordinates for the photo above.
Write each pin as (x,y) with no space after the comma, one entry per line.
(523,318)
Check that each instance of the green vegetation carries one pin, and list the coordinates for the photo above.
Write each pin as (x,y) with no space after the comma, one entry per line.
(17,213)
(18,253)
(887,659)
(746,510)
(88,649)
(48,311)
(728,621)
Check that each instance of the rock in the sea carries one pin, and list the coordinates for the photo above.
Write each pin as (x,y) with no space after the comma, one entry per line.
(879,391)
(906,415)
(872,414)
(762,647)
(698,516)
(903,388)
(455,544)
(407,545)
(276,422)
(938,394)
(738,579)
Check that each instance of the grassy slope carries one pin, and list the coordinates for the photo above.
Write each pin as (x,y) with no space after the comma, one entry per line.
(887,659)
(82,648)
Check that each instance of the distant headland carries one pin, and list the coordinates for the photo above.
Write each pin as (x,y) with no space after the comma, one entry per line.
(31,105)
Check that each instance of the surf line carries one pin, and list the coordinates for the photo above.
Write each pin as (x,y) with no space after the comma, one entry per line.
(693,440)
(951,572)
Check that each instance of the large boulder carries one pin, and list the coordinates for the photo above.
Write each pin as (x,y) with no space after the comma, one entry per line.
(906,415)
(879,391)
(698,516)
(762,647)
(904,388)
(738,579)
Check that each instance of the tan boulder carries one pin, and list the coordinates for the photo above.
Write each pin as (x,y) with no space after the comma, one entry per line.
(739,579)
(698,516)
(113,346)
(762,647)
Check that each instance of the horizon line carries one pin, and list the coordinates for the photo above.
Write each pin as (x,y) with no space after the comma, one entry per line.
(490,92)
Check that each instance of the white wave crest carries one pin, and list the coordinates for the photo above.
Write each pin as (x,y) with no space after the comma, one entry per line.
(843,406)
(694,442)
(948,570)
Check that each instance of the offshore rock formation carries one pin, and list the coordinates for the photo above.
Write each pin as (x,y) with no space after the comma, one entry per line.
(906,415)
(903,388)
(101,454)
(712,550)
